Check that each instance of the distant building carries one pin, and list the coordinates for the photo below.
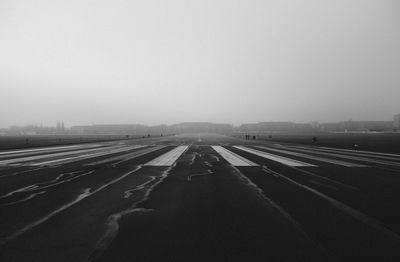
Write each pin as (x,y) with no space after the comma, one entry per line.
(276,127)
(188,127)
(396,121)
(201,127)
(358,126)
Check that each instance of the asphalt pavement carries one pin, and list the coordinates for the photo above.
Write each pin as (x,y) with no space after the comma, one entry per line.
(198,197)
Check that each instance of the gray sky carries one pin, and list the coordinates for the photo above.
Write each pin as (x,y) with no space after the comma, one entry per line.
(170,61)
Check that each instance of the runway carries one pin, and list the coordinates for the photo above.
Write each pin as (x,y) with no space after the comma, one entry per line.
(198,197)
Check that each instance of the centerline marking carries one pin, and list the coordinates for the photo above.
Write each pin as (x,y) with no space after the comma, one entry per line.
(232,158)
(169,158)
(276,158)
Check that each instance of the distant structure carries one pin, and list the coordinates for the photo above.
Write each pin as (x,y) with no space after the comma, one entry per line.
(201,127)
(396,121)
(251,129)
(136,129)
(276,127)
(60,128)
(358,126)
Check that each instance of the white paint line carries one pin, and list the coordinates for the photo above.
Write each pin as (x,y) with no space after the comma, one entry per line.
(361,151)
(322,159)
(358,158)
(46,149)
(169,158)
(232,158)
(126,157)
(280,159)
(356,153)
(85,156)
(32,158)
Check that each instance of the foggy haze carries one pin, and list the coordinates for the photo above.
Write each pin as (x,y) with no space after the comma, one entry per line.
(155,62)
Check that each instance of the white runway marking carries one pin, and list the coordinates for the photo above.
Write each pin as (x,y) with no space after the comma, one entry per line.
(322,159)
(361,151)
(358,158)
(86,156)
(280,159)
(355,152)
(13,152)
(169,158)
(232,158)
(127,157)
(32,158)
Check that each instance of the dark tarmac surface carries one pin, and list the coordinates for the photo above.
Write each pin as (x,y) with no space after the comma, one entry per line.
(102,202)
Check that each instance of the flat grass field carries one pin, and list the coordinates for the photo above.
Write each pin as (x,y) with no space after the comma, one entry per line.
(18,142)
(379,142)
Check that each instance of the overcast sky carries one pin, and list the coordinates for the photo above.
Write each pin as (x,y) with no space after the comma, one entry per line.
(233,61)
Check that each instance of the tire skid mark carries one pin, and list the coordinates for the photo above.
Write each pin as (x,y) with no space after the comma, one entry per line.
(194,155)
(328,180)
(208,164)
(260,194)
(208,172)
(128,193)
(324,185)
(86,193)
(24,199)
(112,222)
(214,157)
(60,179)
(380,227)
(23,172)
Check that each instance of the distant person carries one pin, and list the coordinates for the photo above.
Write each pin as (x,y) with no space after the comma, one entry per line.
(148,135)
(254,137)
(355,146)
(314,139)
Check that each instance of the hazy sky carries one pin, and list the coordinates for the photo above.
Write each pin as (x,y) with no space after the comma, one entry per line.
(230,61)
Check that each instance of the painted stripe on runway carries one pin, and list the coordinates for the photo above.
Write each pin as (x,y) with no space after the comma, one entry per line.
(322,159)
(85,156)
(276,158)
(355,152)
(12,152)
(361,151)
(351,157)
(52,155)
(232,158)
(126,157)
(169,158)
